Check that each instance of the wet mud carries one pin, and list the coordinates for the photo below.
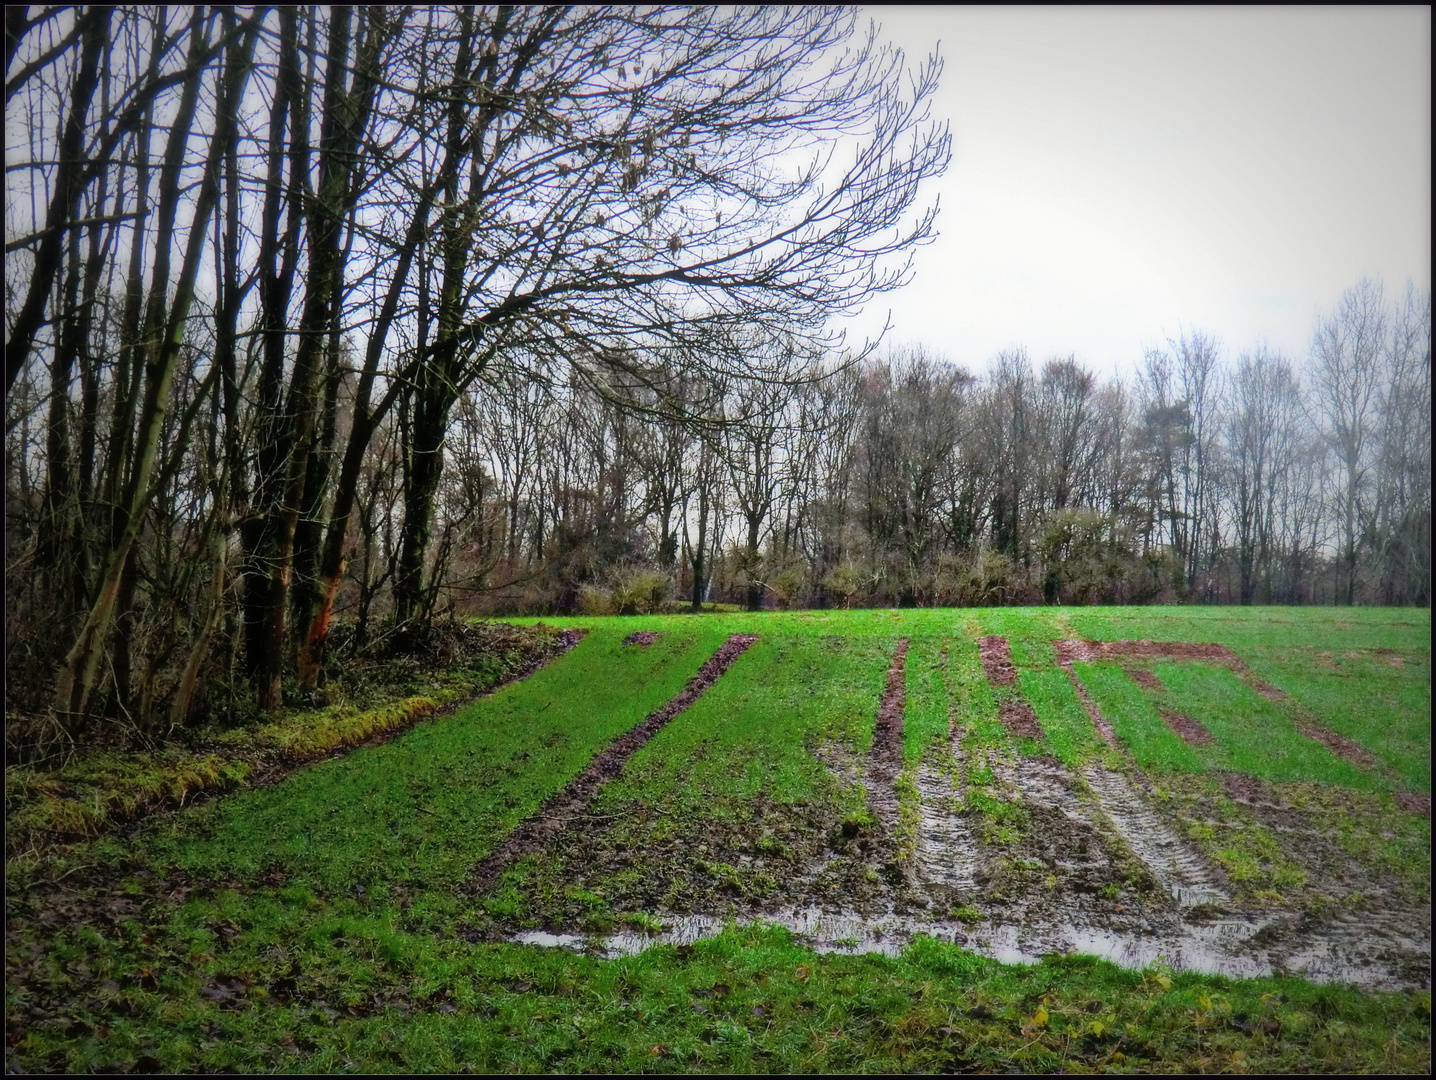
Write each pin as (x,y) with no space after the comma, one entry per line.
(579,792)
(946,859)
(1415,802)
(885,760)
(1187,877)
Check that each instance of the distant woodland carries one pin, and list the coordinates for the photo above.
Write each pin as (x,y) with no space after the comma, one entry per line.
(360,318)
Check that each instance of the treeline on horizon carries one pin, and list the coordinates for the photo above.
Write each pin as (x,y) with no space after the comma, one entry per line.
(356,317)
(907,481)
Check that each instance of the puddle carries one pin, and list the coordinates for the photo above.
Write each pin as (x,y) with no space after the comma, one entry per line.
(1232,946)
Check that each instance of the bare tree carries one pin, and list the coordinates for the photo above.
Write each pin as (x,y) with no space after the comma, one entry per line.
(1263,392)
(1346,355)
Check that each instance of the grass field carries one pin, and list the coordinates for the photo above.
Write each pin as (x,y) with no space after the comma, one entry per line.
(1259,815)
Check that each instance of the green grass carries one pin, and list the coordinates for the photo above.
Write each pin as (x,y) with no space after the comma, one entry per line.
(420,810)
(1240,628)
(1136,722)
(1254,734)
(925,719)
(973,701)
(755,729)
(733,778)
(1385,708)
(370,998)
(326,923)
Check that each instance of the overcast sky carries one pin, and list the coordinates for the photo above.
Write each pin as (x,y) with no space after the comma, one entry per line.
(1121,174)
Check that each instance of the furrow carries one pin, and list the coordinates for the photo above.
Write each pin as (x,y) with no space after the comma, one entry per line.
(885,760)
(575,796)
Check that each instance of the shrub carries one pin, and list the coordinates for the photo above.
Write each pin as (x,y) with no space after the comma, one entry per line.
(640,590)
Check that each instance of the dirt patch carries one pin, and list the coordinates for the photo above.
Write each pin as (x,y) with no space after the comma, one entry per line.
(1020,719)
(885,759)
(1391,657)
(578,792)
(1415,802)
(1144,677)
(1339,745)
(1187,729)
(997,660)
(1091,651)
(1264,688)
(644,638)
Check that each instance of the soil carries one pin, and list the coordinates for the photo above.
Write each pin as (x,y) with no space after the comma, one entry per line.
(1264,688)
(1020,719)
(1144,677)
(1186,728)
(1415,802)
(644,638)
(997,660)
(1092,651)
(1339,745)
(885,760)
(576,795)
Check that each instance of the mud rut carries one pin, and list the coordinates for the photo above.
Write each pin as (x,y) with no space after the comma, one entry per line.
(1086,833)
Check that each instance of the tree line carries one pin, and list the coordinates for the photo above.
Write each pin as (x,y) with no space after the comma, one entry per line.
(256,258)
(1206,478)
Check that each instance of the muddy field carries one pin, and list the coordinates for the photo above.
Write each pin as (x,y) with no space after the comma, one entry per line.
(1012,856)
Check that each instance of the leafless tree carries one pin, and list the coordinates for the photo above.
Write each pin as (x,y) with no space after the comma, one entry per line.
(1346,376)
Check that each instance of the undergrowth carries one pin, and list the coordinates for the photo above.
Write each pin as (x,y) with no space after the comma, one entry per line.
(96,789)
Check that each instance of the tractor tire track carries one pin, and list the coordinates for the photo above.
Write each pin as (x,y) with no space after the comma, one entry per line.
(947,853)
(1176,865)
(571,800)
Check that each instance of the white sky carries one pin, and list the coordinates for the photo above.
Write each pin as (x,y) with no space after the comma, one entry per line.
(1121,174)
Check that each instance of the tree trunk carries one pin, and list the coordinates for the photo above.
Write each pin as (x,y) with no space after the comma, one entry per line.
(65,199)
(78,675)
